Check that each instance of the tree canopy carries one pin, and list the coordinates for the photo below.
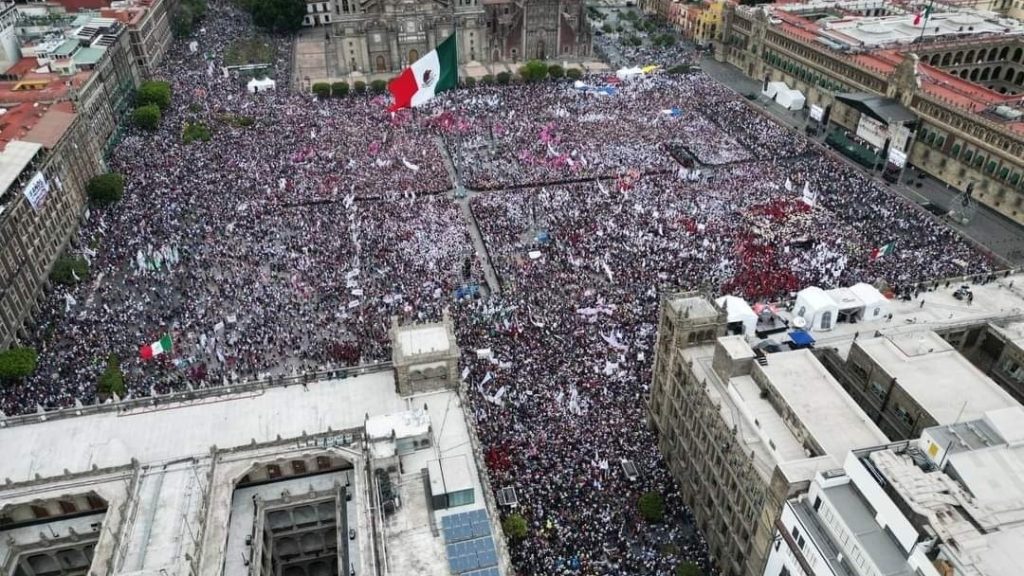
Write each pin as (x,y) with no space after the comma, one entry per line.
(515,527)
(533,71)
(17,363)
(688,569)
(154,92)
(196,131)
(69,270)
(652,506)
(276,15)
(105,189)
(112,379)
(147,117)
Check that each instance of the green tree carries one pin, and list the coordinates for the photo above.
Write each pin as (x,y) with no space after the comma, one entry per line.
(469,82)
(154,92)
(574,73)
(112,379)
(607,28)
(688,569)
(515,527)
(183,21)
(360,87)
(556,72)
(652,506)
(196,131)
(105,189)
(533,71)
(147,117)
(503,78)
(339,89)
(277,15)
(17,363)
(378,86)
(487,79)
(67,268)
(322,89)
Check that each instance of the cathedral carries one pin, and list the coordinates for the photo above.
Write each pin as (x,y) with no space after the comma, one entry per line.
(384,36)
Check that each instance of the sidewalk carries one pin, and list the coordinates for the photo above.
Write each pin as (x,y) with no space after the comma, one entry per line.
(989,228)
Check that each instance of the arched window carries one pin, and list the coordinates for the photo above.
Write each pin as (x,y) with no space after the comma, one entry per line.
(381,65)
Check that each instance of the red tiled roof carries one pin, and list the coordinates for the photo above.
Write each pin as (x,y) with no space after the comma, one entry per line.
(36,123)
(79,5)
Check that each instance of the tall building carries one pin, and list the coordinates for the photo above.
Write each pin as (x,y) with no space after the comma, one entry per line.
(332,478)
(947,503)
(383,36)
(950,86)
(912,381)
(743,432)
(62,101)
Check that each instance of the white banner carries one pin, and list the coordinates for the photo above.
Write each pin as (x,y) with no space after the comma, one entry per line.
(897,157)
(872,131)
(808,197)
(817,113)
(36,191)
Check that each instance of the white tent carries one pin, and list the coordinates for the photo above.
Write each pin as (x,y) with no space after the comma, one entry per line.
(790,99)
(629,73)
(737,310)
(815,306)
(876,305)
(261,85)
(774,88)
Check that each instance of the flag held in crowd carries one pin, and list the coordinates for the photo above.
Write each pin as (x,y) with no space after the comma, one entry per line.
(435,72)
(673,112)
(883,250)
(161,346)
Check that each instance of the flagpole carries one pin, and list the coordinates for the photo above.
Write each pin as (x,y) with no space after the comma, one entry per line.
(924,25)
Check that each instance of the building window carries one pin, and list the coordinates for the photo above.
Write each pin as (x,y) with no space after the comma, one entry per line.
(298,467)
(273,471)
(817,503)
(40,512)
(68,507)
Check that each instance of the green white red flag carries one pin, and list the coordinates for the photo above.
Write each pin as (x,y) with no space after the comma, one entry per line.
(433,73)
(883,250)
(161,346)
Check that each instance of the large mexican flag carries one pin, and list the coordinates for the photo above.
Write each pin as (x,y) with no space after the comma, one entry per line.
(433,73)
(161,346)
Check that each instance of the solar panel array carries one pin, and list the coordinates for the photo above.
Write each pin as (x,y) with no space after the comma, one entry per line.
(484,572)
(465,526)
(470,545)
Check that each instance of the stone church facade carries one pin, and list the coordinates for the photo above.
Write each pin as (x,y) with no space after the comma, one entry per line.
(384,36)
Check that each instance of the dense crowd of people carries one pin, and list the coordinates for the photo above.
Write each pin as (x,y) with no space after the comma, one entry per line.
(286,245)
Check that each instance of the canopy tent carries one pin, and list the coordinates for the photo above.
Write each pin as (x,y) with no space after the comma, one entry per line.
(738,311)
(876,305)
(261,85)
(774,88)
(880,108)
(790,99)
(815,306)
(629,73)
(800,339)
(851,308)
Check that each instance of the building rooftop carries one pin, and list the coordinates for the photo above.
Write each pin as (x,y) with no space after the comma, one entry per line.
(415,340)
(977,536)
(405,424)
(179,498)
(859,517)
(695,306)
(832,417)
(936,376)
(833,421)
(14,158)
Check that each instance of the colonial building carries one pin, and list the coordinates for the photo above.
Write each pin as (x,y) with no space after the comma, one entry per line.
(62,100)
(383,36)
(960,73)
(743,432)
